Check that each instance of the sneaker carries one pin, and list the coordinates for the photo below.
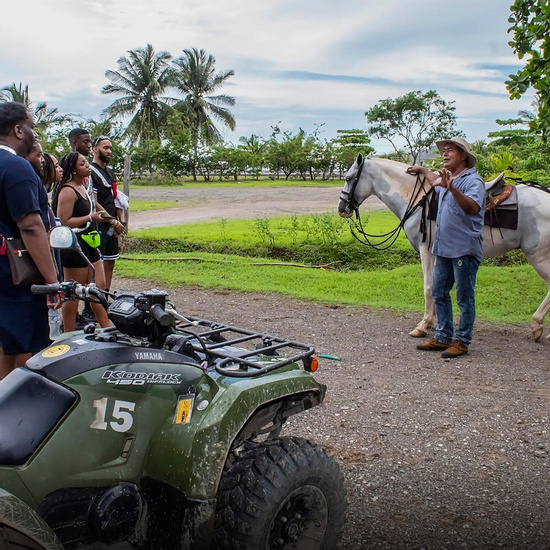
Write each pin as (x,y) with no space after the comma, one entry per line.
(456,349)
(88,316)
(432,345)
(84,319)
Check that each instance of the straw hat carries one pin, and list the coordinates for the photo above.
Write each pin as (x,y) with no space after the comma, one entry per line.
(459,142)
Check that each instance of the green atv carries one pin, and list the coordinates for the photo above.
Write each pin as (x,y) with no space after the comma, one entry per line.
(163,431)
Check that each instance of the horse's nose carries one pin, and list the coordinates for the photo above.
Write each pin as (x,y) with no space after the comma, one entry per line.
(343,210)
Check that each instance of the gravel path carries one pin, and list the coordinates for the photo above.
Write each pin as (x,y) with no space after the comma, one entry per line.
(438,454)
(203,204)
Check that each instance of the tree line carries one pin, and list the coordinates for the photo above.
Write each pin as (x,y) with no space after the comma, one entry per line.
(170,113)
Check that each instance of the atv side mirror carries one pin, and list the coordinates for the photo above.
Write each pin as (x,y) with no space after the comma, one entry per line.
(64,238)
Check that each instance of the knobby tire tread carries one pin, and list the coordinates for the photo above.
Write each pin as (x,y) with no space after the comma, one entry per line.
(248,491)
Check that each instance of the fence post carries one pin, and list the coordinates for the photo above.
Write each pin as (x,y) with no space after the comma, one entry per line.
(126,186)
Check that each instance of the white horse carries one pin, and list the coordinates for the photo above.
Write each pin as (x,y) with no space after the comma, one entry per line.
(389,181)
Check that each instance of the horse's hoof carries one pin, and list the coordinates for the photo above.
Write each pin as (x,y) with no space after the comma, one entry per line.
(537,333)
(418,333)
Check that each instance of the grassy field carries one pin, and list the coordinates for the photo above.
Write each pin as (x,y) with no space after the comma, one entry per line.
(240,255)
(311,239)
(399,288)
(142,206)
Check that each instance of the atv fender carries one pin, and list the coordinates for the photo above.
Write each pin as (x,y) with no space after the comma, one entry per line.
(191,457)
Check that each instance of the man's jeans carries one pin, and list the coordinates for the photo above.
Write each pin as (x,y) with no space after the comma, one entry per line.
(447,272)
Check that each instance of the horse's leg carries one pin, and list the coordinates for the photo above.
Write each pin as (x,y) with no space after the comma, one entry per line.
(542,267)
(428,321)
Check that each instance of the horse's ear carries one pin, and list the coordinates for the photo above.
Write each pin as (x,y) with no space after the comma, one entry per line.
(359,159)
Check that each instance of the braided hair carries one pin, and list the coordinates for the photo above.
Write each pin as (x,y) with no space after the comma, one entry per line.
(48,170)
(68,163)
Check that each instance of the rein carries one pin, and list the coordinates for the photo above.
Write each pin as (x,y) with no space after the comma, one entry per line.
(389,238)
(531,183)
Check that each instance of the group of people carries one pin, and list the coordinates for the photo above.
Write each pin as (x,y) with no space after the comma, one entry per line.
(84,200)
(84,196)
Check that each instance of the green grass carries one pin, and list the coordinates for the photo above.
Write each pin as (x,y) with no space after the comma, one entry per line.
(504,294)
(141,206)
(312,239)
(284,230)
(223,254)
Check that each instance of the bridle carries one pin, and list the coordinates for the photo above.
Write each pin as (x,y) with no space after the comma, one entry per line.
(419,199)
(349,196)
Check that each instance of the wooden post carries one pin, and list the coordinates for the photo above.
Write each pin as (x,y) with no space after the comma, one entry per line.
(126,186)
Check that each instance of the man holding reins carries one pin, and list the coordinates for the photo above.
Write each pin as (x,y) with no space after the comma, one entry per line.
(458,245)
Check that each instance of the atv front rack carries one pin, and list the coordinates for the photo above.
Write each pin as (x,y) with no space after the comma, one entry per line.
(218,342)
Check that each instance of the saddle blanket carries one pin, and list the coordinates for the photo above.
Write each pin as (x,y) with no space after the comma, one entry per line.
(503,216)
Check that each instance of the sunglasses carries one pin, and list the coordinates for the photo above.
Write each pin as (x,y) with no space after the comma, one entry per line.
(99,139)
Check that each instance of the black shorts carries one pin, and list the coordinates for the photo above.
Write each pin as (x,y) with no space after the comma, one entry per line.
(109,244)
(23,325)
(72,259)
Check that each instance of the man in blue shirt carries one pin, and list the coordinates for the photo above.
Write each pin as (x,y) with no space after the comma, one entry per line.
(458,244)
(23,213)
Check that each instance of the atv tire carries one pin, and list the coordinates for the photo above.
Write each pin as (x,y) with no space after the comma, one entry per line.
(11,539)
(282,494)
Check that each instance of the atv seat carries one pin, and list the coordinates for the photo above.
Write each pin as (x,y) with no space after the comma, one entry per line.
(30,407)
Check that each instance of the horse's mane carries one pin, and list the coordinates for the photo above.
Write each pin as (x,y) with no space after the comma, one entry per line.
(389,162)
(396,168)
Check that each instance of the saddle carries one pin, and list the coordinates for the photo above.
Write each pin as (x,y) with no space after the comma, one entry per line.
(496,192)
(501,204)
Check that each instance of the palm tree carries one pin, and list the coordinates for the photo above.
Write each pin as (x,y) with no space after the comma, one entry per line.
(254,147)
(104,128)
(194,75)
(16,93)
(142,79)
(44,117)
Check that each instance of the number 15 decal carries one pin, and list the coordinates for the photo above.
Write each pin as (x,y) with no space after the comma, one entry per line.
(122,417)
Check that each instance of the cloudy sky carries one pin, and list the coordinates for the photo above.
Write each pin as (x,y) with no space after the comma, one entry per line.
(304,63)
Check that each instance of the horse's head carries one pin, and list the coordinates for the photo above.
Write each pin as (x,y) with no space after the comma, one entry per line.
(354,193)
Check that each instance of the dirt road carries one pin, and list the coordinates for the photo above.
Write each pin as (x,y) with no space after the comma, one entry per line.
(203,204)
(437,454)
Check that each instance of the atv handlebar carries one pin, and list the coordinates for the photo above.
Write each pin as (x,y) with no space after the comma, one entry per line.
(160,315)
(71,290)
(52,288)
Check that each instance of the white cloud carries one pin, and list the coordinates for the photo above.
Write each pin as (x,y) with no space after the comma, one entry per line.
(66,46)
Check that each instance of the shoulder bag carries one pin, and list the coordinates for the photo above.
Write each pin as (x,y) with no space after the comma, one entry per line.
(23,268)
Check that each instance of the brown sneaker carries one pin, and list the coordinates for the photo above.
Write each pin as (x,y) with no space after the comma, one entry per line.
(432,345)
(456,349)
